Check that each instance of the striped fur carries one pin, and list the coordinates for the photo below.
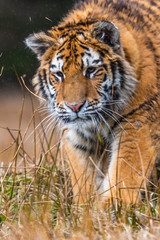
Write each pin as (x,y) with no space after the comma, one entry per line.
(104,59)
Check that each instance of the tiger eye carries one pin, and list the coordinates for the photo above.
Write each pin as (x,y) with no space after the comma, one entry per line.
(91,69)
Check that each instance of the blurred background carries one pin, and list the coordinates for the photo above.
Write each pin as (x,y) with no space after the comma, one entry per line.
(18,19)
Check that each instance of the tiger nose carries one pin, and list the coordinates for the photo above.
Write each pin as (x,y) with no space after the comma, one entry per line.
(75,107)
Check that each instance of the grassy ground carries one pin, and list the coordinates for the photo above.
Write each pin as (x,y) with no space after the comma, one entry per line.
(36,197)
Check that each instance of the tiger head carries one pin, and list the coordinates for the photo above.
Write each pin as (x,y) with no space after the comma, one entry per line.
(83,73)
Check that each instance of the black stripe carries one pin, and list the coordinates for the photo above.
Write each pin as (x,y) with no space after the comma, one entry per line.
(101,53)
(96,61)
(87,62)
(121,72)
(45,81)
(80,32)
(98,75)
(63,45)
(64,35)
(86,138)
(105,77)
(81,134)
(102,95)
(84,23)
(84,47)
(154,3)
(66,59)
(76,56)
(99,70)
(105,67)
(61,50)
(36,84)
(60,57)
(91,129)
(81,147)
(91,151)
(53,66)
(89,54)
(56,78)
(42,87)
(113,70)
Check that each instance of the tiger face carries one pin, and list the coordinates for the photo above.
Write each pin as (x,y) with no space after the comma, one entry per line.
(83,75)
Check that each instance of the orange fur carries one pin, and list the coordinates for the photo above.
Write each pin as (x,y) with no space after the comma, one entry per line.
(134,144)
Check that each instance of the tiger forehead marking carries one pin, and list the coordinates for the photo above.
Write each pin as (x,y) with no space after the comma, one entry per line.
(56,64)
(91,58)
(87,58)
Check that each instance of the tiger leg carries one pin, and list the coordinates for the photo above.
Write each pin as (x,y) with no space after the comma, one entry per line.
(132,160)
(82,174)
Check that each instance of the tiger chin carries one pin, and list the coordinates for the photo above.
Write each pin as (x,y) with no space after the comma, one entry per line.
(100,75)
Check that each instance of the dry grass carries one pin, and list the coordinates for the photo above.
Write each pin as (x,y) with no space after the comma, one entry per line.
(36,194)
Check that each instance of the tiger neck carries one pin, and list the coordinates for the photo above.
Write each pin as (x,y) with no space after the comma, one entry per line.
(88,140)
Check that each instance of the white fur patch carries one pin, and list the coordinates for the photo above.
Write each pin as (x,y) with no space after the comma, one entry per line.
(51,89)
(56,64)
(89,58)
(61,40)
(108,181)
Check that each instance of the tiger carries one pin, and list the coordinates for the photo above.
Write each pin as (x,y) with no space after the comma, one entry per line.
(99,72)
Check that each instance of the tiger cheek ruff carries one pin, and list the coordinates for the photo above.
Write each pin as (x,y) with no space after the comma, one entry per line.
(100,74)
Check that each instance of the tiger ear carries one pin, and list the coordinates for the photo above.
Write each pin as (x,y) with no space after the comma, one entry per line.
(108,33)
(39,43)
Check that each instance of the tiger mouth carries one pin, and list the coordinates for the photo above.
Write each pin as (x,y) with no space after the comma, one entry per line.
(75,120)
(91,119)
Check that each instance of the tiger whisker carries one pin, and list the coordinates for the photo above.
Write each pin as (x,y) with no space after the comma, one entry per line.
(107,124)
(112,101)
(53,121)
(114,118)
(118,114)
(42,131)
(48,116)
(42,111)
